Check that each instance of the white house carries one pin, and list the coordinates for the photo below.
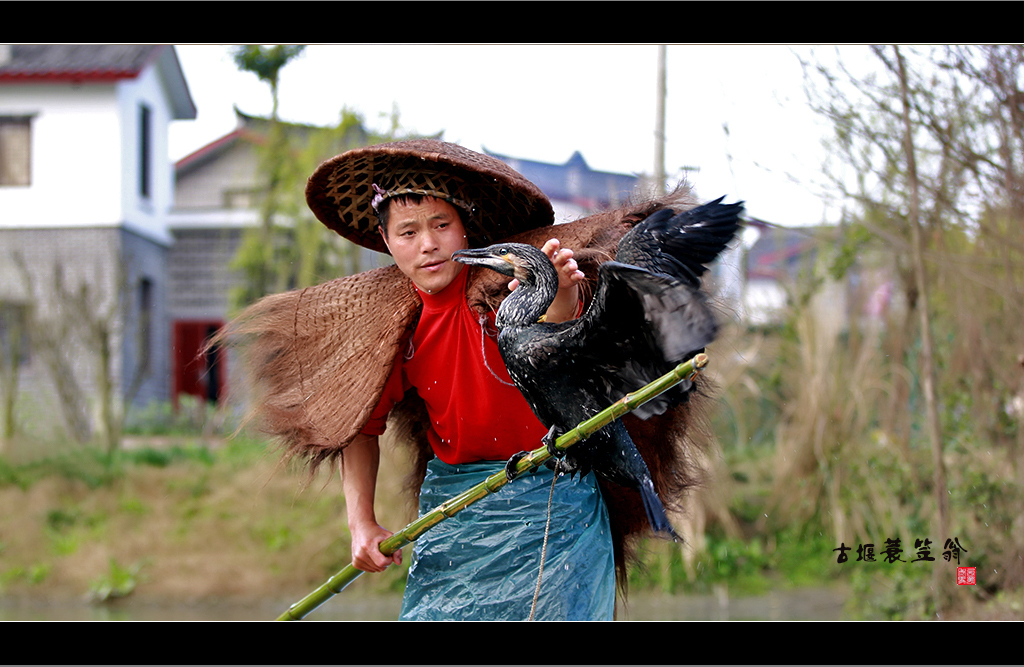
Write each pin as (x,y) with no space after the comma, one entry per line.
(85,191)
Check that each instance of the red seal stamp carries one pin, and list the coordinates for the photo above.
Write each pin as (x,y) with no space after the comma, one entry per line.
(965,576)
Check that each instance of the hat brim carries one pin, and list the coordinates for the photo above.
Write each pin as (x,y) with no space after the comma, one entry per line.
(340,191)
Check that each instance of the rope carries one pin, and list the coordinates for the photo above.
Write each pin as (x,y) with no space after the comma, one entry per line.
(547,525)
(483,353)
(544,547)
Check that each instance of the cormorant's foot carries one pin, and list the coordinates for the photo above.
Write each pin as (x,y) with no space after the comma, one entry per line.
(567,465)
(549,442)
(510,465)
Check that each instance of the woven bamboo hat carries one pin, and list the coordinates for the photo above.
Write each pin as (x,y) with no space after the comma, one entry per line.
(500,201)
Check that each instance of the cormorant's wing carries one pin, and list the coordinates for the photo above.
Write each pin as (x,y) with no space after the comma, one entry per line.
(681,245)
(639,326)
(646,317)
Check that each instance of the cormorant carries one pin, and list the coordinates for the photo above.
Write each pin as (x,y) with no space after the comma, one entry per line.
(647,315)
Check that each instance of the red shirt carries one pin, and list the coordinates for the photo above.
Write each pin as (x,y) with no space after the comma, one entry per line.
(476,413)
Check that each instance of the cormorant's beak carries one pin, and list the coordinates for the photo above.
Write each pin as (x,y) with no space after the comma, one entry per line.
(486,257)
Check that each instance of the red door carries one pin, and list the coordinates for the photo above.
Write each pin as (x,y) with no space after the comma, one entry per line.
(202,375)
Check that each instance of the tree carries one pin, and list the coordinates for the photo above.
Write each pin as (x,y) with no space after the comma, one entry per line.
(290,248)
(13,338)
(256,256)
(921,282)
(266,63)
(80,329)
(927,150)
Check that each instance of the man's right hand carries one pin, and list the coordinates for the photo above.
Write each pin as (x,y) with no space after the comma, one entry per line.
(358,467)
(366,554)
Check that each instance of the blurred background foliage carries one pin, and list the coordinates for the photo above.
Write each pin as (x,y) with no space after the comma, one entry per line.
(824,416)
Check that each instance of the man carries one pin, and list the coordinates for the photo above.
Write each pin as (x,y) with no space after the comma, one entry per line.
(425,233)
(336,360)
(452,350)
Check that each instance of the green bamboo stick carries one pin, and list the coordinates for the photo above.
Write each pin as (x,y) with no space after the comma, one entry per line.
(456,504)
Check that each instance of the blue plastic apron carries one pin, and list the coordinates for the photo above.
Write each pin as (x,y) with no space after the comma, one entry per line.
(482,563)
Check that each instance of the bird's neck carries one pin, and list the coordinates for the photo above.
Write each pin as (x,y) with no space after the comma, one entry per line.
(530,300)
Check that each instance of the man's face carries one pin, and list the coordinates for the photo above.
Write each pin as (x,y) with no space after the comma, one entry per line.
(422,238)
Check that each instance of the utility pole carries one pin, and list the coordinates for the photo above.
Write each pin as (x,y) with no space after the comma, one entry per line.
(659,130)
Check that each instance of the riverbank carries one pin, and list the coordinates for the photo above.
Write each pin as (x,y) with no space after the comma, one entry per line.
(188,531)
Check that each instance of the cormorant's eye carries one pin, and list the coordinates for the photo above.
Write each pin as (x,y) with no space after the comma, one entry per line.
(502,251)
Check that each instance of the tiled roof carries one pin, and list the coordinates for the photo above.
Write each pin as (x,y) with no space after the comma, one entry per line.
(574,181)
(102,62)
(97,63)
(780,252)
(253,129)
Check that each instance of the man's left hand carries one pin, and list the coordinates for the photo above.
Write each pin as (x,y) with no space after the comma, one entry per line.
(566,303)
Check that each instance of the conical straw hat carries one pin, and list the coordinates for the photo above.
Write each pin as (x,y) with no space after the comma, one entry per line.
(501,202)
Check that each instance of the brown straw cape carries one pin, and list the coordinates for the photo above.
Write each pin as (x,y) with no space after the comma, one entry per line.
(504,203)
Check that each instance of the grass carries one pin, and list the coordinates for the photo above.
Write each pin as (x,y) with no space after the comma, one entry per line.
(179,521)
(117,582)
(753,557)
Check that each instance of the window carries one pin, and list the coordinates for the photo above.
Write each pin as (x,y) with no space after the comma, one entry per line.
(241,198)
(15,150)
(145,148)
(145,323)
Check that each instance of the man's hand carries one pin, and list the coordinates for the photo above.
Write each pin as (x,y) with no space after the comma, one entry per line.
(567,301)
(358,467)
(366,555)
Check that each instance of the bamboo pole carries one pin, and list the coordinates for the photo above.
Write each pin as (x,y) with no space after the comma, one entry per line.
(454,505)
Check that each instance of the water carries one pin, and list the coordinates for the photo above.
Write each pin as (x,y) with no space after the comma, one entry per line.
(799,605)
(336,609)
(810,604)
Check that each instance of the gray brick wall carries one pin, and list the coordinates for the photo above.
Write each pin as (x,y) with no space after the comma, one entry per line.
(102,267)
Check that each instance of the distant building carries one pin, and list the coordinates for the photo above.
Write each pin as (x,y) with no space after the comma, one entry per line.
(85,190)
(784,263)
(774,263)
(575,190)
